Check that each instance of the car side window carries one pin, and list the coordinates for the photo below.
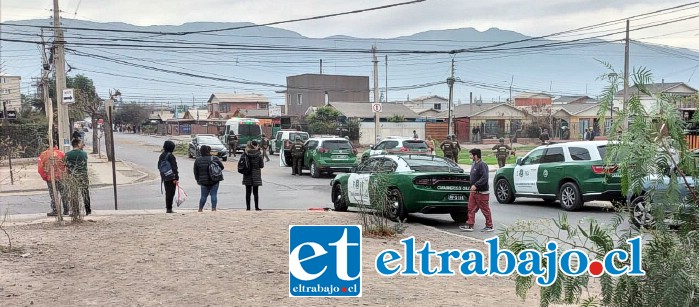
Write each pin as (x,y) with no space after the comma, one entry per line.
(387,166)
(553,155)
(579,154)
(380,146)
(310,145)
(534,157)
(368,166)
(391,144)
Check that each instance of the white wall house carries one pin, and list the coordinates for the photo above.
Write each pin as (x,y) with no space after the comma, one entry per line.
(650,102)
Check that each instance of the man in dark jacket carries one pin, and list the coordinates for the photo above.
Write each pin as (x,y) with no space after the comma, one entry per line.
(232,144)
(76,161)
(253,180)
(479,197)
(297,152)
(202,174)
(170,185)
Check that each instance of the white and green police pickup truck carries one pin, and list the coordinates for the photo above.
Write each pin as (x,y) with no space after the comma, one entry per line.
(573,173)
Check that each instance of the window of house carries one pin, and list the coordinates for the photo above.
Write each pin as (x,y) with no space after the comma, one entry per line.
(607,125)
(6,91)
(437,106)
(3,80)
(262,106)
(299,97)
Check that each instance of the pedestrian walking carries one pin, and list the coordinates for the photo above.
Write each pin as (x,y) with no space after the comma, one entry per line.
(447,149)
(502,151)
(169,174)
(264,145)
(479,197)
(297,152)
(253,180)
(208,173)
(79,181)
(455,148)
(44,168)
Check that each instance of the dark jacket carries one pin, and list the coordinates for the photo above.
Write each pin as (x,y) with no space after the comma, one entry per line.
(256,163)
(201,170)
(479,176)
(169,147)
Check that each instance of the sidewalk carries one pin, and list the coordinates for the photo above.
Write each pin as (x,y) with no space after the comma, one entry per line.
(28,181)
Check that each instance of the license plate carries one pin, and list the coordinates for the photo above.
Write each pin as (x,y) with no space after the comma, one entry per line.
(456,197)
(339,157)
(616,175)
(452,188)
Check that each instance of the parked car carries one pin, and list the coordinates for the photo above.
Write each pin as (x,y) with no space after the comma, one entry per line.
(398,145)
(414,184)
(573,173)
(217,148)
(643,207)
(283,141)
(329,155)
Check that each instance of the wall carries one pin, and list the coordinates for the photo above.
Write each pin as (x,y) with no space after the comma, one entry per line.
(366,130)
(12,84)
(313,87)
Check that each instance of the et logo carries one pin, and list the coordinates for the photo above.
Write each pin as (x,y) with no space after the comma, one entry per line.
(325,261)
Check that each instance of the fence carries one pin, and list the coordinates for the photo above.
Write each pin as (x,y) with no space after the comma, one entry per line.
(525,131)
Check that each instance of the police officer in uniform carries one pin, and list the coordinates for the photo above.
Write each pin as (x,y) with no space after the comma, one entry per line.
(297,151)
(232,144)
(456,148)
(502,151)
(448,148)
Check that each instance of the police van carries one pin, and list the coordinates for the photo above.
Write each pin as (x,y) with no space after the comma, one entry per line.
(247,129)
(572,173)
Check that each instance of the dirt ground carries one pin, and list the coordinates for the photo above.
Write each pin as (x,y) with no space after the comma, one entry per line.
(224,258)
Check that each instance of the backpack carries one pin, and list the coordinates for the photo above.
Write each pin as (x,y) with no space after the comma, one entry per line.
(244,165)
(215,172)
(166,172)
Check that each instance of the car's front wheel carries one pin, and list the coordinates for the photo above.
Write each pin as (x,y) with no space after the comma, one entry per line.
(395,208)
(225,158)
(315,173)
(570,197)
(641,213)
(338,198)
(503,192)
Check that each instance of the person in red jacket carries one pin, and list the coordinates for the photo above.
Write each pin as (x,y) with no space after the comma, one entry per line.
(59,171)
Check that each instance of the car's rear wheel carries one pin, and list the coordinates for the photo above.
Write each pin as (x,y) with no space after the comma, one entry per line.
(503,192)
(395,208)
(570,197)
(315,173)
(641,213)
(459,217)
(338,198)
(287,159)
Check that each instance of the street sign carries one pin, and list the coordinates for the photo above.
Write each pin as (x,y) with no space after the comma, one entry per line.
(68,97)
(376,107)
(275,110)
(11,114)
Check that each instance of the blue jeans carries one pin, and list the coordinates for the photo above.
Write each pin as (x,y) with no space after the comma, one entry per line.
(205,192)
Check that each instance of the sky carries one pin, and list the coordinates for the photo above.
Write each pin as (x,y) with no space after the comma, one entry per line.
(532,18)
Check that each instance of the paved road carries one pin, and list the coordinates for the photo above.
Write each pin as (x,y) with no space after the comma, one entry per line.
(280,190)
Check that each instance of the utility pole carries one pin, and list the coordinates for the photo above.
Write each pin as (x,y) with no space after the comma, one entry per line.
(450,82)
(60,65)
(48,108)
(376,93)
(9,150)
(512,81)
(386,78)
(321,66)
(626,74)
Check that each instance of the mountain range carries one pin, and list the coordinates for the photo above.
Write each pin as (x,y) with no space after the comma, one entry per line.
(185,64)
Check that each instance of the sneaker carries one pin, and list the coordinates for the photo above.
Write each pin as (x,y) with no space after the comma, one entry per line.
(466,228)
(487,229)
(52,213)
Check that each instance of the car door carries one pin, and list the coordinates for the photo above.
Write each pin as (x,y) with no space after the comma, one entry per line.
(358,182)
(311,146)
(378,149)
(525,173)
(550,170)
(278,141)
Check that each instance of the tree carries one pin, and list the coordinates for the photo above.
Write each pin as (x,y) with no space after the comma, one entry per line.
(323,121)
(87,102)
(131,114)
(645,140)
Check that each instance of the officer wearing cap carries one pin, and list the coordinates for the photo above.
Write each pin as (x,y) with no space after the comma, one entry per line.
(502,151)
(455,147)
(297,152)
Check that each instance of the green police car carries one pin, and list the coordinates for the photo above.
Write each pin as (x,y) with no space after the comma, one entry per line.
(409,183)
(573,173)
(329,155)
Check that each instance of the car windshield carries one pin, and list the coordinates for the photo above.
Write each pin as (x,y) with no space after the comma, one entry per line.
(209,140)
(431,164)
(415,144)
(337,145)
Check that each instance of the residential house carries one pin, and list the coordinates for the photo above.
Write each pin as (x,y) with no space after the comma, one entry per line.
(196,114)
(363,112)
(649,102)
(315,90)
(533,99)
(227,105)
(10,94)
(579,117)
(424,103)
(493,119)
(573,100)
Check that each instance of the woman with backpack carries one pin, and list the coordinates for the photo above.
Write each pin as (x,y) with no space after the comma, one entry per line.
(167,165)
(208,171)
(252,179)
